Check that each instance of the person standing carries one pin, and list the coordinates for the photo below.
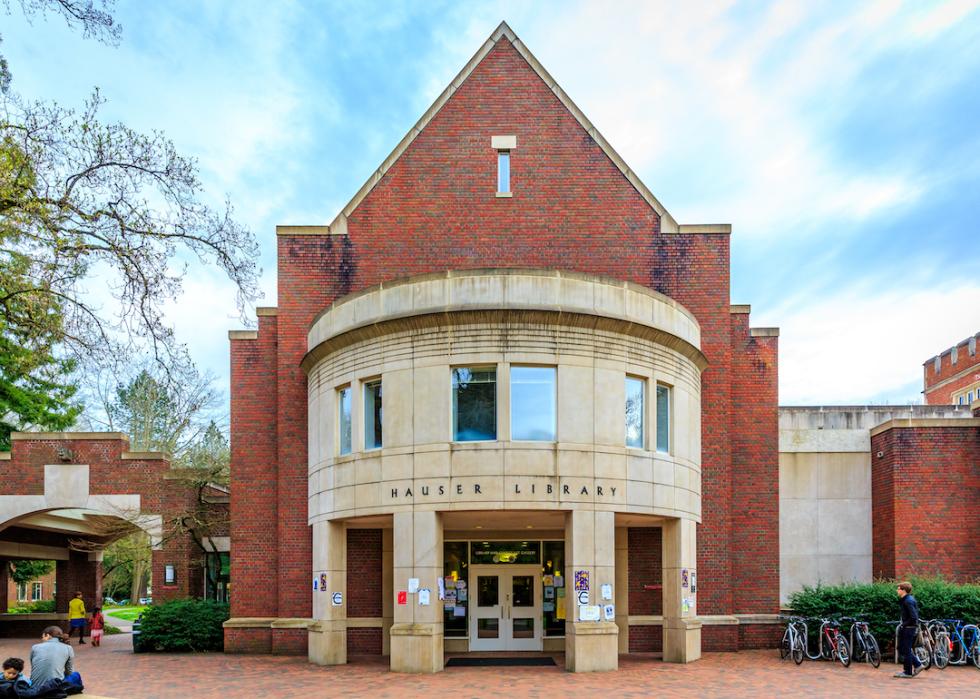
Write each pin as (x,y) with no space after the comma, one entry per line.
(910,627)
(98,624)
(76,617)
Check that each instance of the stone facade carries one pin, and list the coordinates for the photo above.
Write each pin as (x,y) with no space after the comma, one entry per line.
(590,274)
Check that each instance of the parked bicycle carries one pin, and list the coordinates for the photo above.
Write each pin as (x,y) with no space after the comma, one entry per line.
(922,645)
(833,644)
(941,644)
(794,639)
(964,642)
(864,647)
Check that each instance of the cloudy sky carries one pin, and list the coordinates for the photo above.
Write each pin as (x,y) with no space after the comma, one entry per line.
(841,141)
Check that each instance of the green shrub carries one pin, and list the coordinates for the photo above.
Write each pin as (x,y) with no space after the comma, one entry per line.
(40,607)
(110,630)
(877,603)
(184,625)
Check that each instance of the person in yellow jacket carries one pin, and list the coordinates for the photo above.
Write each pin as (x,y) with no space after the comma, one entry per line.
(76,618)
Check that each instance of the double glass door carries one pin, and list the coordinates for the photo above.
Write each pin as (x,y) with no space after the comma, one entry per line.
(505,607)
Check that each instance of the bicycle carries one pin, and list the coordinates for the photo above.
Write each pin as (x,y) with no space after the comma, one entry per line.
(794,639)
(837,647)
(921,646)
(941,643)
(964,642)
(863,644)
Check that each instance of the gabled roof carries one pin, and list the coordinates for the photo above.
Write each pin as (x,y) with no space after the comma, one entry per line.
(503,32)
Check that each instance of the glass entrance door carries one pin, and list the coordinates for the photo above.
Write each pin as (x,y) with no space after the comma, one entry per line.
(505,607)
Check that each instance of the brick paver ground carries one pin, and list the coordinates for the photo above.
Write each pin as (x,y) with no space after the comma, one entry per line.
(113,671)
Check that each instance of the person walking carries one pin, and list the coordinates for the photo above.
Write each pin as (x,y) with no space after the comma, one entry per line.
(910,627)
(76,618)
(96,627)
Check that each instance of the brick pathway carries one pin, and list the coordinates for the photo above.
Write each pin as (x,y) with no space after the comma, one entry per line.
(113,671)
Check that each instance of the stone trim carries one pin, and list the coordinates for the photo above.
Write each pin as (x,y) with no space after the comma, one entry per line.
(305,230)
(900,423)
(291,623)
(243,335)
(706,228)
(645,620)
(261,311)
(503,142)
(366,623)
(740,308)
(764,332)
(4,456)
(67,436)
(747,619)
(144,455)
(249,623)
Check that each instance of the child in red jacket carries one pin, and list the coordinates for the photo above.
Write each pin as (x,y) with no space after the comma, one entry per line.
(96,626)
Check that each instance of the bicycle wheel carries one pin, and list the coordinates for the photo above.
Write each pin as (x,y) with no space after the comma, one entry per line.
(872,651)
(798,649)
(843,652)
(940,650)
(925,658)
(785,646)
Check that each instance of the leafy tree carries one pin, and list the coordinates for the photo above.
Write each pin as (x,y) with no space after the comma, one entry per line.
(126,566)
(86,205)
(23,572)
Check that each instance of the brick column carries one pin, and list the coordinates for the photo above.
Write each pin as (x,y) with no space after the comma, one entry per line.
(81,572)
(4,584)
(328,632)
(682,628)
(417,631)
(590,546)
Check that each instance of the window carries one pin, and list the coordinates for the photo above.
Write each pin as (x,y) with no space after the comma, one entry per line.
(169,575)
(961,400)
(474,404)
(635,388)
(343,414)
(35,592)
(21,591)
(969,397)
(503,171)
(532,403)
(663,418)
(372,415)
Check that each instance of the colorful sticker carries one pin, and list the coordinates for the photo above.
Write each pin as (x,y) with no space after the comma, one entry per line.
(582,580)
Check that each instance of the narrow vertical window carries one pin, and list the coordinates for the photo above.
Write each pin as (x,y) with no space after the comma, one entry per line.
(663,418)
(343,414)
(533,413)
(503,171)
(372,415)
(635,389)
(474,404)
(36,592)
(169,574)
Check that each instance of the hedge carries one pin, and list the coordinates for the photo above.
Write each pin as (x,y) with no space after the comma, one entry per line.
(184,625)
(877,603)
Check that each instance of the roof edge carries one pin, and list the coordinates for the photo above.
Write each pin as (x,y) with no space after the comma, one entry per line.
(503,31)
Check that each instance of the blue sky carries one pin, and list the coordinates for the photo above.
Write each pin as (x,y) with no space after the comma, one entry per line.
(841,141)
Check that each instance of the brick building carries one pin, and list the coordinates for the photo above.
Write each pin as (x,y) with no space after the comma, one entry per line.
(953,377)
(578,444)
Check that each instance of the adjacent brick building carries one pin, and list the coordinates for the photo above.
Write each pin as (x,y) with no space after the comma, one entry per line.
(953,377)
(503,184)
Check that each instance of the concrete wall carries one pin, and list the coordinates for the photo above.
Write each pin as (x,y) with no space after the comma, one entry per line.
(825,490)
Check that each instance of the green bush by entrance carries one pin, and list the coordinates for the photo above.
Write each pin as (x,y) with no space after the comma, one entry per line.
(877,603)
(184,625)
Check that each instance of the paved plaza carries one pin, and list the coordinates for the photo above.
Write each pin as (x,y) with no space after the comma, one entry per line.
(113,671)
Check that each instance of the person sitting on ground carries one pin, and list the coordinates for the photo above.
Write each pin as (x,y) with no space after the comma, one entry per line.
(13,671)
(53,658)
(76,617)
(96,626)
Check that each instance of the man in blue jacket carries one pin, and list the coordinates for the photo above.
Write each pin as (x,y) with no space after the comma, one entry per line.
(910,626)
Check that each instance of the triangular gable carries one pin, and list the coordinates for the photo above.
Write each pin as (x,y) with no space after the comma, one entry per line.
(504,32)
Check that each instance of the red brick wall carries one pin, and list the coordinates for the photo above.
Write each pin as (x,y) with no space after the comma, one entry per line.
(364,596)
(248,640)
(363,641)
(755,470)
(645,568)
(646,639)
(925,481)
(966,370)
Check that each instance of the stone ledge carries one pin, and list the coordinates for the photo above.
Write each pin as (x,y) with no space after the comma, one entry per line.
(302,230)
(365,622)
(66,436)
(757,618)
(291,623)
(740,308)
(266,311)
(705,228)
(594,628)
(718,620)
(264,622)
(899,423)
(416,630)
(143,456)
(764,332)
(243,335)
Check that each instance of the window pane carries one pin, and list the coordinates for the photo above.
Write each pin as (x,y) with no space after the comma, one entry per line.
(454,557)
(487,590)
(474,404)
(488,628)
(496,552)
(503,171)
(523,628)
(532,403)
(552,570)
(634,412)
(663,418)
(372,415)
(523,590)
(343,408)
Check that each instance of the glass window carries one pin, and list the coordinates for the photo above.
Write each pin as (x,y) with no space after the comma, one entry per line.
(663,418)
(503,171)
(454,567)
(474,404)
(36,591)
(372,415)
(343,412)
(635,388)
(169,574)
(494,552)
(21,590)
(553,584)
(532,403)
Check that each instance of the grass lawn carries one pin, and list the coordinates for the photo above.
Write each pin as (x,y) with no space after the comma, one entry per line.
(127,613)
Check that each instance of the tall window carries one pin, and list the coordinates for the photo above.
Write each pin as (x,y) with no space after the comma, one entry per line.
(474,404)
(372,415)
(21,591)
(663,418)
(35,592)
(503,171)
(532,403)
(635,389)
(343,414)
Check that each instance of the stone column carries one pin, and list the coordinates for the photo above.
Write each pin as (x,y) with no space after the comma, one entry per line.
(590,546)
(622,589)
(387,589)
(417,631)
(682,628)
(328,632)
